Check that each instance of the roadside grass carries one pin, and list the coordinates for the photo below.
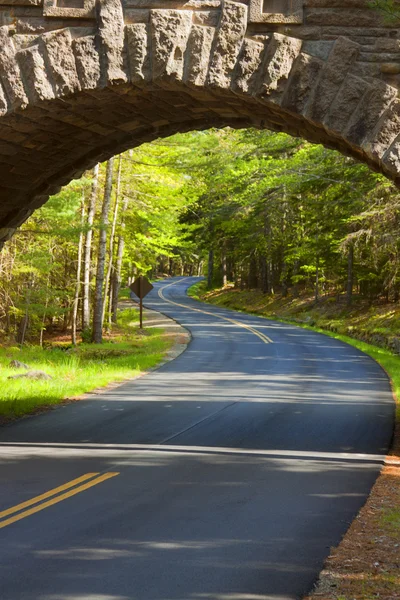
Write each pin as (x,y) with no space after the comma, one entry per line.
(78,370)
(365,565)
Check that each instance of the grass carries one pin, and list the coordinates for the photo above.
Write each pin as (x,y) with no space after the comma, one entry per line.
(80,369)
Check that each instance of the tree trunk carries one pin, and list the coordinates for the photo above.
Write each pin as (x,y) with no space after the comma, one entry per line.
(118,266)
(210,269)
(97,336)
(296,266)
(66,303)
(78,276)
(268,240)
(252,280)
(264,278)
(22,328)
(88,250)
(108,285)
(317,279)
(224,270)
(350,263)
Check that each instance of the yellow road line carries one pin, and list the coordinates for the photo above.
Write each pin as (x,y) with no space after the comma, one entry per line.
(55,500)
(262,336)
(52,492)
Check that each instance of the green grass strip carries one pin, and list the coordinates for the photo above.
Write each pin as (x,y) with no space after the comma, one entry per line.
(78,370)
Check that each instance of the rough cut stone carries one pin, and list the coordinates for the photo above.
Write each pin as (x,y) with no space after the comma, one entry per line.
(229,37)
(138,43)
(280,56)
(10,72)
(112,37)
(386,131)
(391,160)
(198,54)
(87,62)
(169,33)
(371,108)
(302,80)
(58,46)
(340,60)
(345,103)
(246,73)
(35,74)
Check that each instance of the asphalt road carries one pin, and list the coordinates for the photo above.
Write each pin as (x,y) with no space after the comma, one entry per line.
(225,475)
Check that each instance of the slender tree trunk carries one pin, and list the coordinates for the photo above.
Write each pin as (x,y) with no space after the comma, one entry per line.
(268,239)
(24,323)
(295,273)
(264,279)
(97,336)
(284,279)
(350,264)
(88,249)
(252,280)
(78,276)
(118,265)
(317,279)
(23,326)
(66,302)
(210,269)
(224,270)
(108,286)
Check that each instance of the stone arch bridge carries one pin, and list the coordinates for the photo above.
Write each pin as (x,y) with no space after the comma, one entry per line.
(81,80)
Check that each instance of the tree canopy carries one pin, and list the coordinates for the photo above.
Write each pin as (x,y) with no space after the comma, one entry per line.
(257,208)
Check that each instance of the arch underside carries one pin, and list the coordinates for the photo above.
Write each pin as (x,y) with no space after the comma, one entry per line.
(68,102)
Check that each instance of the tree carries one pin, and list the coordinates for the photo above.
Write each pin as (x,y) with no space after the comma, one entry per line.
(97,336)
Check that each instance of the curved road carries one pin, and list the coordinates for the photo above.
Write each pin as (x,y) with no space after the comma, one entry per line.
(225,475)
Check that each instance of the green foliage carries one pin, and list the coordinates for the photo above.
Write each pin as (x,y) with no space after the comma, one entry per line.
(389,9)
(261,209)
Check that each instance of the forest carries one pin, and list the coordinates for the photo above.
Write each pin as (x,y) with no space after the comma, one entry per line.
(253,208)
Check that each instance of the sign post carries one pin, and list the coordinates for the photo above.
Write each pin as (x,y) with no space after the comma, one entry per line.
(141,287)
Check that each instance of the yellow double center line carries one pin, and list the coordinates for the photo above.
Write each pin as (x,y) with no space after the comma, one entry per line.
(37,503)
(262,336)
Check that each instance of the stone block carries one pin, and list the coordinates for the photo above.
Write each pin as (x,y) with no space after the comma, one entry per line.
(345,103)
(281,53)
(111,30)
(87,62)
(35,75)
(340,60)
(60,57)
(248,65)
(138,44)
(385,133)
(170,31)
(10,73)
(198,54)
(306,70)
(372,106)
(228,41)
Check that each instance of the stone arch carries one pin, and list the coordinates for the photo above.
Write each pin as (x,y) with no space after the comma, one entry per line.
(72,95)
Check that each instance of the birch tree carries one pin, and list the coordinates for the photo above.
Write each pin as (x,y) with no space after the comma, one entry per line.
(97,335)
